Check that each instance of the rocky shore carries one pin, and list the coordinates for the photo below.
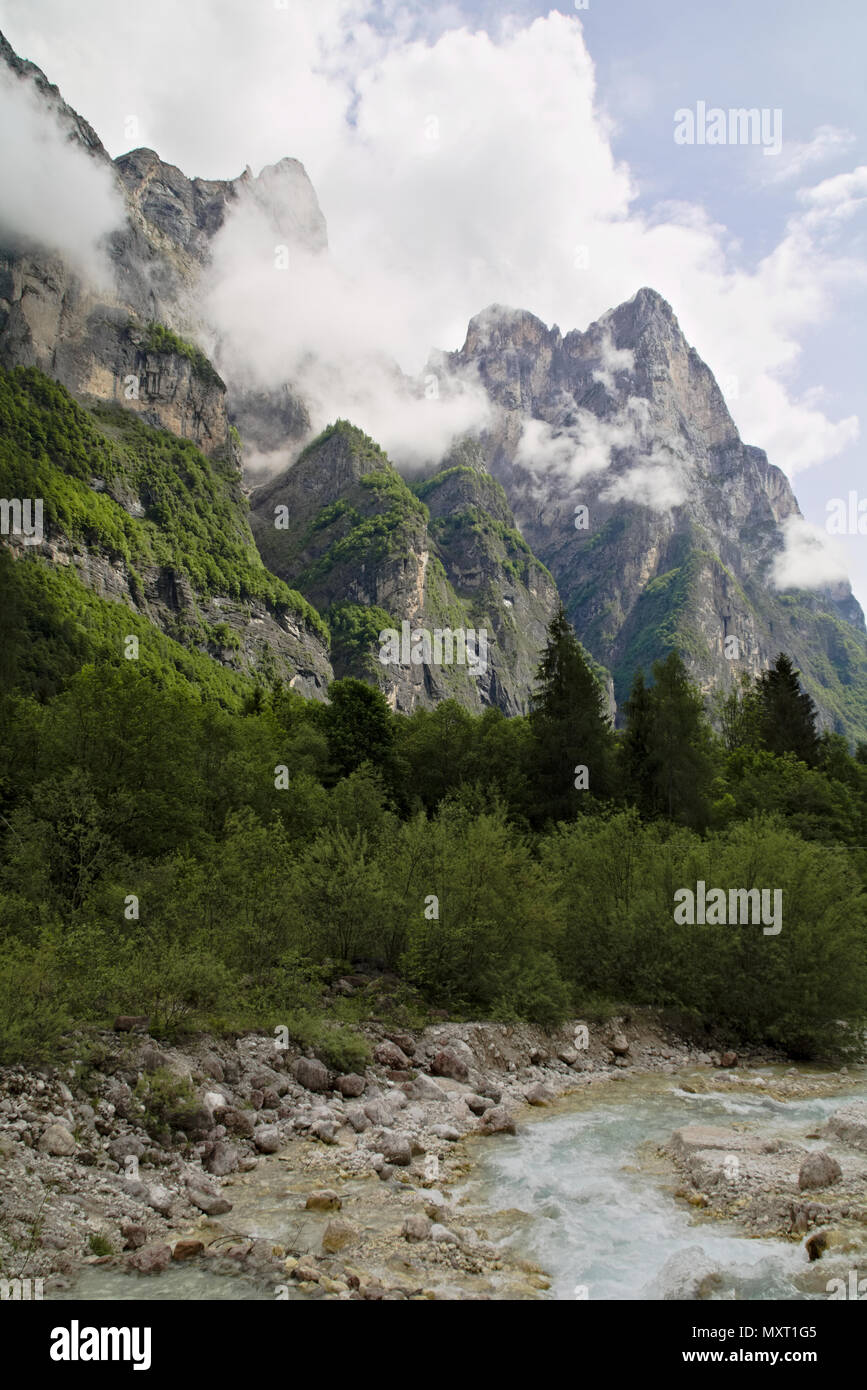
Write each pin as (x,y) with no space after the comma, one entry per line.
(255,1159)
(815,1192)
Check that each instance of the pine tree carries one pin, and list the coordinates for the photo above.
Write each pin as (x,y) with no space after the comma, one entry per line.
(667,745)
(787,714)
(570,725)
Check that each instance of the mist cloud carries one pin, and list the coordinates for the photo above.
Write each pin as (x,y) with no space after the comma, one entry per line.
(64,201)
(809,559)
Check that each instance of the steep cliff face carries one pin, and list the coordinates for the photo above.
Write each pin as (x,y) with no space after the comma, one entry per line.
(91,339)
(629,480)
(120,343)
(372,554)
(143,519)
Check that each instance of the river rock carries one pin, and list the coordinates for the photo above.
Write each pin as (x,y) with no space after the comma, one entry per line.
(539,1094)
(498,1120)
(442,1235)
(619,1045)
(850,1125)
(125,1146)
(448,1063)
(337,1235)
(819,1169)
(388,1054)
(187,1249)
(687,1275)
(324,1200)
(728,1059)
(691,1138)
(405,1041)
(160,1198)
(417,1227)
(424,1088)
(816,1245)
(212,1066)
(378,1112)
(216,1103)
(447,1132)
(220,1159)
(134,1235)
(57,1141)
(312,1074)
(395,1148)
(351,1085)
(240,1122)
(265,1079)
(267,1139)
(478,1104)
(325,1131)
(151,1259)
(357,1118)
(212,1204)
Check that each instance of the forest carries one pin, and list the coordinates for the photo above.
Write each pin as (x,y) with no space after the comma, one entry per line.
(219,853)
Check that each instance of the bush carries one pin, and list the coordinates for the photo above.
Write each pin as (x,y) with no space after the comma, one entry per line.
(33,1011)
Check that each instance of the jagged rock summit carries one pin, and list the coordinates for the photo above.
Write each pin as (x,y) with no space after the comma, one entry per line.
(682,521)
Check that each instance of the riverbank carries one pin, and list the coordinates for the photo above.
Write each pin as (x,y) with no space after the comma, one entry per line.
(239,1157)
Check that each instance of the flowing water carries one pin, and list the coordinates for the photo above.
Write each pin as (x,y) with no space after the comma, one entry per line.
(601,1218)
(581,1190)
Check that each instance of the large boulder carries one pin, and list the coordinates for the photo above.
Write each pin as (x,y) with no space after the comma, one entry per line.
(337,1235)
(395,1148)
(267,1139)
(312,1074)
(378,1112)
(323,1200)
(220,1159)
(57,1141)
(498,1120)
(448,1063)
(424,1088)
(351,1085)
(417,1227)
(240,1122)
(819,1169)
(539,1094)
(151,1259)
(850,1125)
(160,1198)
(211,1203)
(388,1054)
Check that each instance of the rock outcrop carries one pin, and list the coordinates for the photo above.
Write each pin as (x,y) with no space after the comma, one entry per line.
(683,520)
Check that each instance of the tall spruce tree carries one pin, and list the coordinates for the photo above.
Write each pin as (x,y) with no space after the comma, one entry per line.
(667,745)
(571,727)
(787,714)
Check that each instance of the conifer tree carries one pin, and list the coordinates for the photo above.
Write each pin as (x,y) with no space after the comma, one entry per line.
(787,714)
(570,725)
(667,745)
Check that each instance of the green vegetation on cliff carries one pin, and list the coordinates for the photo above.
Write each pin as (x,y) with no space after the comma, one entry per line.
(136,494)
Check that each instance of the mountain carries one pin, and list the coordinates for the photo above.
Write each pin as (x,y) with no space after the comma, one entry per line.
(371,553)
(142,486)
(683,520)
(612,474)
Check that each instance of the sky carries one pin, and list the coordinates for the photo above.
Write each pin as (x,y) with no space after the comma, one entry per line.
(471,153)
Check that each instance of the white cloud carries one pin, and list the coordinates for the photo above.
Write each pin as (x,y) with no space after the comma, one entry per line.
(64,200)
(614,360)
(455,171)
(826,142)
(809,559)
(657,482)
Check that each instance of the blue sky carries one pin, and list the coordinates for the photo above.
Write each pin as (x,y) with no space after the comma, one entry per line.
(552,129)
